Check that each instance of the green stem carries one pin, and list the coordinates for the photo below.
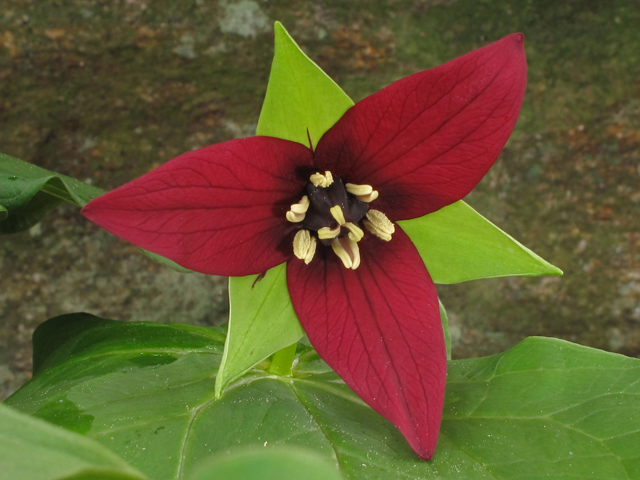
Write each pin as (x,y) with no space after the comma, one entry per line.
(282,361)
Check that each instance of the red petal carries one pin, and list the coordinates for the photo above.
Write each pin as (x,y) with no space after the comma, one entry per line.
(426,140)
(379,328)
(218,210)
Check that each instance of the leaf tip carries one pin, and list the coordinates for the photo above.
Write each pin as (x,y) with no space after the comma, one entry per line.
(553,270)
(280,32)
(219,387)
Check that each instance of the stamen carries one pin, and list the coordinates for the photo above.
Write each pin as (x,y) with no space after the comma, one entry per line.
(368,198)
(347,251)
(304,246)
(320,180)
(298,211)
(355,232)
(325,232)
(378,224)
(358,189)
(364,193)
(337,214)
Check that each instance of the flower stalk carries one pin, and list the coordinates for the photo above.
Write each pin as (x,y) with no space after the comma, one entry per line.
(282,361)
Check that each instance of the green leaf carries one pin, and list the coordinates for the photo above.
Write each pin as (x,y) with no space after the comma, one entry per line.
(31,449)
(458,244)
(544,409)
(277,463)
(28,193)
(57,330)
(261,322)
(300,96)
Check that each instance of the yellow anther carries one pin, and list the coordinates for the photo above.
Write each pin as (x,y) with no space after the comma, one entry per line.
(358,189)
(378,224)
(304,246)
(325,232)
(347,251)
(298,211)
(364,193)
(355,232)
(368,198)
(338,214)
(320,180)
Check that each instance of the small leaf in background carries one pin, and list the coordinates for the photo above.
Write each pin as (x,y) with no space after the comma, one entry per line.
(545,408)
(31,449)
(300,96)
(458,244)
(261,322)
(28,193)
(279,463)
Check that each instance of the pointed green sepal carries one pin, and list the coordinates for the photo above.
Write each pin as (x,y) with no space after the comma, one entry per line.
(458,244)
(261,322)
(300,96)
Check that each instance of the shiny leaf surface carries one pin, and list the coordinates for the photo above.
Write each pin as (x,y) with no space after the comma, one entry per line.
(31,449)
(280,463)
(28,193)
(545,408)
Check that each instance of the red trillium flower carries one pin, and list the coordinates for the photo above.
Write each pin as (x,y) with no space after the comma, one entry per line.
(357,283)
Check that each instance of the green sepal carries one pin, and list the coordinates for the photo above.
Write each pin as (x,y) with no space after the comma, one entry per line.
(300,97)
(261,322)
(458,244)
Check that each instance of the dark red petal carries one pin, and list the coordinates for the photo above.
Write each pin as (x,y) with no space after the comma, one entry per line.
(218,210)
(379,328)
(426,140)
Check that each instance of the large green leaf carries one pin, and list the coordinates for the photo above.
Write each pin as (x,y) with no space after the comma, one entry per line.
(261,322)
(458,244)
(546,408)
(31,449)
(277,463)
(28,193)
(302,102)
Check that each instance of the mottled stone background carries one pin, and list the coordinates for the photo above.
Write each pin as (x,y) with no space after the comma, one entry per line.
(104,90)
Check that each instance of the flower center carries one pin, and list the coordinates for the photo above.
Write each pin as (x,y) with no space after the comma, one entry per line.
(332,213)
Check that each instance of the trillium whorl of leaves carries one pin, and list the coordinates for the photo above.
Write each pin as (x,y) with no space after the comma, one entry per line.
(423,143)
